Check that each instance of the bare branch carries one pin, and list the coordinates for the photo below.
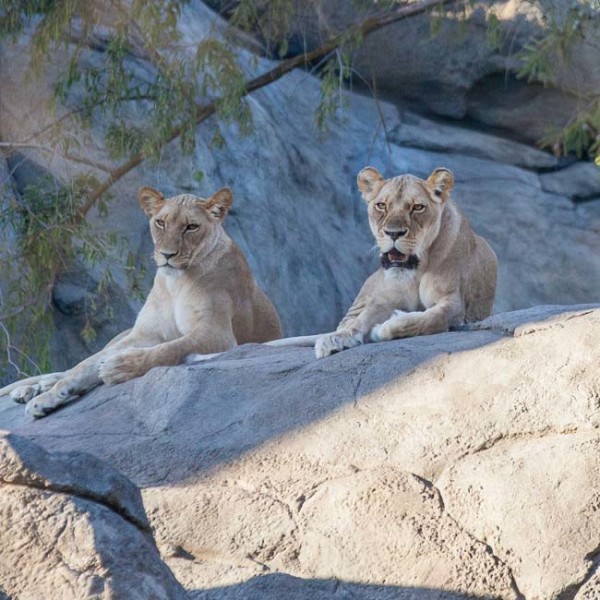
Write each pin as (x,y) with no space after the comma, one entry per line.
(10,349)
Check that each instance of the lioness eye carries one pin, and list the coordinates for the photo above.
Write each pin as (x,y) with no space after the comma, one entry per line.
(192,227)
(380,206)
(159,223)
(418,208)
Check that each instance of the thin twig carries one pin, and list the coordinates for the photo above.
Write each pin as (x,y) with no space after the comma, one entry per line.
(10,348)
(66,155)
(73,113)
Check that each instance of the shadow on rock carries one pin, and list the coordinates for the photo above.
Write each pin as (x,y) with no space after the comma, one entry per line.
(181,422)
(280,585)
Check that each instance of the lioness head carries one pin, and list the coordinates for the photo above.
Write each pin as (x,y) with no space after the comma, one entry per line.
(184,228)
(404,213)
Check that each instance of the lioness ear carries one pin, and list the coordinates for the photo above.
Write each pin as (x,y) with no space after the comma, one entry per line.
(218,204)
(370,181)
(150,200)
(442,181)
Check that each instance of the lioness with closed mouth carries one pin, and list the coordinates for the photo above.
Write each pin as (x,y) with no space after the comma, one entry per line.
(435,271)
(204,299)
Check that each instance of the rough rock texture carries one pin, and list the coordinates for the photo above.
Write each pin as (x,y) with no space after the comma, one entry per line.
(419,132)
(580,181)
(464,462)
(72,527)
(297,214)
(446,65)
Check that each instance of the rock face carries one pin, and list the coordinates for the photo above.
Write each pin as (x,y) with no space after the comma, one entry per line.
(297,214)
(472,78)
(458,465)
(73,527)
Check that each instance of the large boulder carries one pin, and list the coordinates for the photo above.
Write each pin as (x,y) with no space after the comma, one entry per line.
(465,462)
(72,527)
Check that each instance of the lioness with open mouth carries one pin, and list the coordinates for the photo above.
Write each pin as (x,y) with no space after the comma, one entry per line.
(204,299)
(435,271)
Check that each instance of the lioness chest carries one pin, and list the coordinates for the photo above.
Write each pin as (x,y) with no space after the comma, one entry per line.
(399,289)
(174,308)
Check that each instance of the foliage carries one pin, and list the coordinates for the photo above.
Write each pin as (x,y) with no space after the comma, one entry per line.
(49,220)
(47,241)
(146,107)
(546,60)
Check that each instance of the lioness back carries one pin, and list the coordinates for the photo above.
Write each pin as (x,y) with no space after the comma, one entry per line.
(254,319)
(481,288)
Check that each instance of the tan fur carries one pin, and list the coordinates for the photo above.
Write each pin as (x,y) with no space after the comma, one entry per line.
(204,299)
(455,280)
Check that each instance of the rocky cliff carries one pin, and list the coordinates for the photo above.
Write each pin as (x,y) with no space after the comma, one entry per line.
(465,62)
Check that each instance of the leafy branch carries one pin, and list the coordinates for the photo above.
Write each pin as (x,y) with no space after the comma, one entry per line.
(546,58)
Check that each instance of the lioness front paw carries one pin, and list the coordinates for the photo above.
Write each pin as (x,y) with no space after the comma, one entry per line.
(336,342)
(380,333)
(36,410)
(386,331)
(44,404)
(123,366)
(24,393)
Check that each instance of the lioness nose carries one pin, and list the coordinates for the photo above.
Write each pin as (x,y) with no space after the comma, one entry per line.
(397,233)
(168,255)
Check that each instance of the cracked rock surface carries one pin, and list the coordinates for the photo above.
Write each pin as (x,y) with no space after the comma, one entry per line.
(72,527)
(459,465)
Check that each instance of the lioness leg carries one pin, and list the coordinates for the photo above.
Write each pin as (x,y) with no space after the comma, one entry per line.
(76,382)
(353,328)
(436,319)
(80,379)
(210,340)
(330,343)
(29,381)
(24,390)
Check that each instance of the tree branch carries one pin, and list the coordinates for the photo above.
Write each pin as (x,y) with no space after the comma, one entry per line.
(67,155)
(204,111)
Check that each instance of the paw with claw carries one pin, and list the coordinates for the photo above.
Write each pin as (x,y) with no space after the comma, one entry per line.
(336,342)
(23,394)
(48,402)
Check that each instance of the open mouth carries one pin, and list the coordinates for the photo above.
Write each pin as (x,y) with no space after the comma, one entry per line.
(396,259)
